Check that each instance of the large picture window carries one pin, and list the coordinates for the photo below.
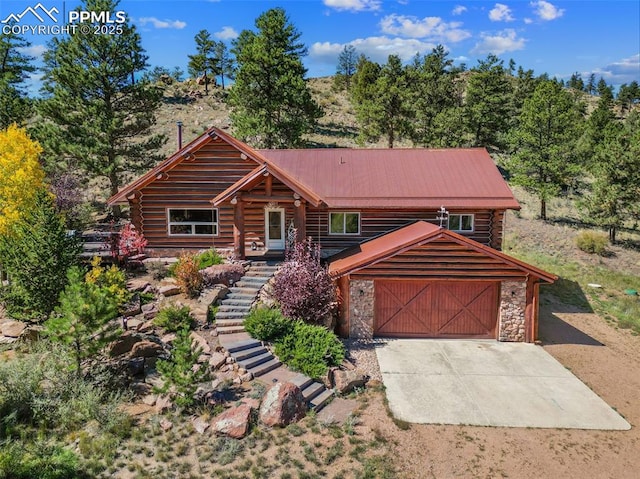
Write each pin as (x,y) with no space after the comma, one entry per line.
(461,223)
(193,221)
(344,223)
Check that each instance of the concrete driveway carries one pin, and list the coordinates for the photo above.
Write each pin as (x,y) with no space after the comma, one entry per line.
(487,383)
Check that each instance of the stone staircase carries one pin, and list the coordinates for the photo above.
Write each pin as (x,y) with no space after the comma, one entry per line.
(251,354)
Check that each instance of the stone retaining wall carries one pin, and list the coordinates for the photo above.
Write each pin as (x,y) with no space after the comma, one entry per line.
(513,301)
(361,300)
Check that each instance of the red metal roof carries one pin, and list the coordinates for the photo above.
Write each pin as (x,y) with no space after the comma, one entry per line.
(410,236)
(462,178)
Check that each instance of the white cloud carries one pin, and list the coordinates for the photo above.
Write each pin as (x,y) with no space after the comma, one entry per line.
(353,5)
(33,51)
(429,27)
(504,41)
(546,11)
(619,72)
(458,10)
(227,33)
(501,13)
(528,21)
(376,48)
(162,24)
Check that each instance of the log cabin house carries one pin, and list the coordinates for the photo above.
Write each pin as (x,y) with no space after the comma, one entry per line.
(412,236)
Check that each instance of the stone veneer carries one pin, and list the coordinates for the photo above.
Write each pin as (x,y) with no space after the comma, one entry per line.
(361,300)
(513,301)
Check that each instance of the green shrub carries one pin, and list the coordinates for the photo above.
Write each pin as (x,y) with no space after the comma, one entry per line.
(592,243)
(208,258)
(41,460)
(174,318)
(267,324)
(310,349)
(158,270)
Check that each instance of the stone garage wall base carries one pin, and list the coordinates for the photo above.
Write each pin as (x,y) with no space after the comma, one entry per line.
(513,302)
(361,301)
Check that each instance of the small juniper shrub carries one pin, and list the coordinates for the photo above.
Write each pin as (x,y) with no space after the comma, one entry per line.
(158,270)
(188,276)
(208,258)
(303,286)
(267,324)
(174,318)
(592,242)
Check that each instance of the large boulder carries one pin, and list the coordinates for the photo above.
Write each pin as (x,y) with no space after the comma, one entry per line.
(234,422)
(12,329)
(146,349)
(133,307)
(124,343)
(137,285)
(169,290)
(282,404)
(226,274)
(347,381)
(200,342)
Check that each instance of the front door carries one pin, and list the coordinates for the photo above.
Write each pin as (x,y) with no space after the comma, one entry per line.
(275,235)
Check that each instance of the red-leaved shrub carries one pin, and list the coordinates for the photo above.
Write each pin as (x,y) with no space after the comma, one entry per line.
(188,276)
(131,241)
(303,286)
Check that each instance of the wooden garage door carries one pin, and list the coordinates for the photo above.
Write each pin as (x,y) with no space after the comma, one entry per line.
(436,309)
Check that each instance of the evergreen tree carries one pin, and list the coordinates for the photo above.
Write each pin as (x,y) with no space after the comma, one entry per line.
(203,62)
(576,82)
(628,95)
(614,195)
(37,253)
(544,158)
(271,103)
(383,107)
(15,68)
(590,87)
(99,118)
(224,62)
(604,90)
(434,87)
(82,319)
(596,126)
(347,63)
(488,103)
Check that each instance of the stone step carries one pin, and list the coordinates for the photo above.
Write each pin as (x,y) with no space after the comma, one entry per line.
(243,345)
(223,323)
(231,308)
(302,381)
(253,291)
(249,353)
(262,273)
(312,390)
(230,315)
(264,368)
(321,400)
(230,329)
(237,302)
(252,281)
(245,296)
(255,360)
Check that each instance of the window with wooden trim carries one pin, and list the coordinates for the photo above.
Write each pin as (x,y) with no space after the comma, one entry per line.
(461,223)
(344,223)
(192,222)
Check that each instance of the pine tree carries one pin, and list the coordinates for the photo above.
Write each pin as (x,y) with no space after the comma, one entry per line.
(181,372)
(15,67)
(224,62)
(590,87)
(98,117)
(82,320)
(203,62)
(37,253)
(271,103)
(544,158)
(383,107)
(347,63)
(614,195)
(576,82)
(487,104)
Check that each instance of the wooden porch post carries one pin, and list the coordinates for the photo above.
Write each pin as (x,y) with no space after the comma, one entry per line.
(238,228)
(530,316)
(300,218)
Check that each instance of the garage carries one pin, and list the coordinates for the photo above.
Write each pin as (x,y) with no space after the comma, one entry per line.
(424,281)
(435,309)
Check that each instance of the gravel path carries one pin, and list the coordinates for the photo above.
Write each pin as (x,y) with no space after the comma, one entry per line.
(362,353)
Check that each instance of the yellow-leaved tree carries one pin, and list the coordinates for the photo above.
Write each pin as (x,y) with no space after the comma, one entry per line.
(21,175)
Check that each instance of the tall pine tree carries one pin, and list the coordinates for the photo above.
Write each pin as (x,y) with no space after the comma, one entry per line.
(203,62)
(544,158)
(347,63)
(15,67)
(271,103)
(99,116)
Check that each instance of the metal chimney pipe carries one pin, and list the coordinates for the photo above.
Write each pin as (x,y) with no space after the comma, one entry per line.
(179,123)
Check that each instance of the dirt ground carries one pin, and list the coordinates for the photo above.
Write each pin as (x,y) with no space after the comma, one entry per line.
(604,358)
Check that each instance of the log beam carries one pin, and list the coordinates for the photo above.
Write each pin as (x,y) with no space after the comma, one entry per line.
(238,229)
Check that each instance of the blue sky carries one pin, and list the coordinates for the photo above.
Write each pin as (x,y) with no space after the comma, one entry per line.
(556,37)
